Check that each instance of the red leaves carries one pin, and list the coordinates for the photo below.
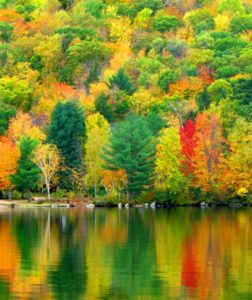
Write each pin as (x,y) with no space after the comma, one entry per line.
(188,144)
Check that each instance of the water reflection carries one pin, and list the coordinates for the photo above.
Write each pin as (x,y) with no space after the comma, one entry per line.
(185,253)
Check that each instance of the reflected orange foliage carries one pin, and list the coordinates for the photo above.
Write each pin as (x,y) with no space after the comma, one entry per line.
(9,258)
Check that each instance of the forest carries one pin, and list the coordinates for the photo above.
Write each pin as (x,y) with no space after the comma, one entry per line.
(126,100)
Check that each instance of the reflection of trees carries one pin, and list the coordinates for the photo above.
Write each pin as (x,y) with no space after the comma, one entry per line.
(68,278)
(127,254)
(133,266)
(27,233)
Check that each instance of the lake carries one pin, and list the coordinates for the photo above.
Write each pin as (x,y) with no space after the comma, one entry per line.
(180,253)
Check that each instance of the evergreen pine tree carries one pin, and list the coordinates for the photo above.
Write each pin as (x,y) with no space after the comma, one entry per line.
(122,81)
(103,107)
(131,149)
(67,132)
(27,176)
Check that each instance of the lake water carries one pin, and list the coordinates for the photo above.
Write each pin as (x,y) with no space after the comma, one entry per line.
(182,253)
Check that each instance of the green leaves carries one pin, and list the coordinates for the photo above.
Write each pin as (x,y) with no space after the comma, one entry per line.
(165,23)
(27,175)
(131,149)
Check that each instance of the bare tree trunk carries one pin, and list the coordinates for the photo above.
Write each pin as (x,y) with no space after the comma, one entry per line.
(48,190)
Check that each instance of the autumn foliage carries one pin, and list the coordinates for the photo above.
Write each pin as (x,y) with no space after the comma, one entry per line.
(9,155)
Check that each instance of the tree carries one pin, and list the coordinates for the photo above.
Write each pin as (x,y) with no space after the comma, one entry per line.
(22,126)
(131,149)
(208,150)
(142,19)
(237,171)
(188,144)
(47,158)
(166,79)
(67,132)
(6,112)
(220,89)
(165,23)
(241,23)
(121,81)
(27,174)
(104,108)
(16,92)
(201,20)
(97,138)
(9,155)
(168,173)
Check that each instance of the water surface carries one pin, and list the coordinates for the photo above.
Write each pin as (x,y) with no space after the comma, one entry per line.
(182,253)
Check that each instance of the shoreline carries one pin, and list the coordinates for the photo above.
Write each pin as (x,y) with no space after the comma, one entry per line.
(69,204)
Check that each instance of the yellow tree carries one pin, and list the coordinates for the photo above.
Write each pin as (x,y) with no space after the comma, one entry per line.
(21,125)
(98,131)
(238,164)
(169,175)
(47,158)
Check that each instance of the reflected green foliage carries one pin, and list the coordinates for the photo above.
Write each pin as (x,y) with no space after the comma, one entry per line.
(126,254)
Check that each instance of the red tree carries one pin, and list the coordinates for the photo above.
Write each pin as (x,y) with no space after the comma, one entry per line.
(188,143)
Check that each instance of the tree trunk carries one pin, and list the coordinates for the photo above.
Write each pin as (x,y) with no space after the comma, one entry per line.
(9,195)
(29,196)
(48,191)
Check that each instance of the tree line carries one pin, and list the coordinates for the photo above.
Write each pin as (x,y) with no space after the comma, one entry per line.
(146,99)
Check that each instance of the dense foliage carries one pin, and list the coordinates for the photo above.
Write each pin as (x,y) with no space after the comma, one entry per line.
(146,98)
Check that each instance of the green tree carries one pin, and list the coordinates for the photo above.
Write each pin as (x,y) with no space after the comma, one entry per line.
(5,31)
(27,175)
(165,23)
(201,20)
(67,132)
(131,149)
(6,113)
(165,79)
(241,23)
(104,108)
(121,81)
(220,89)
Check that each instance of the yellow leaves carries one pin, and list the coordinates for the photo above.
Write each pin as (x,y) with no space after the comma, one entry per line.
(98,132)
(113,180)
(121,54)
(200,56)
(50,95)
(186,88)
(242,192)
(237,166)
(143,101)
(142,19)
(247,36)
(47,158)
(21,125)
(222,22)
(120,29)
(168,174)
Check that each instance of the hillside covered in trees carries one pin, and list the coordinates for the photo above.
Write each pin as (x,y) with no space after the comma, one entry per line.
(126,99)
